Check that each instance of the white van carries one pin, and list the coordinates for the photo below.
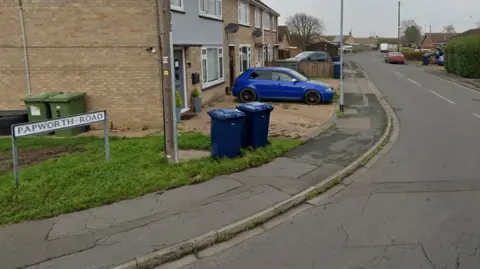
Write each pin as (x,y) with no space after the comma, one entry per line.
(384,47)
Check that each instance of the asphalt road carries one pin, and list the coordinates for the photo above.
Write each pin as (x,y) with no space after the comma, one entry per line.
(417,207)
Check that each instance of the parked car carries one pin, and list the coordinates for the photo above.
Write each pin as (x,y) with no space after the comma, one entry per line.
(394,58)
(384,47)
(279,83)
(319,56)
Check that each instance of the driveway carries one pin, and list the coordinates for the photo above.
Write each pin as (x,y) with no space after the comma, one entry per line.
(417,207)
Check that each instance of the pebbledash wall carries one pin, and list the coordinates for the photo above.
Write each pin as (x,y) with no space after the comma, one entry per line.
(95,46)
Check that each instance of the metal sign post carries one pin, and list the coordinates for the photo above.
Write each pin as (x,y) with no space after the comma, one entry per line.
(63,123)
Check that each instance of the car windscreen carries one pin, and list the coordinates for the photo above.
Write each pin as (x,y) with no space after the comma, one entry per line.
(298,76)
(303,55)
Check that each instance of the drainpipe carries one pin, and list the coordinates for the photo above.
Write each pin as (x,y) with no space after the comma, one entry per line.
(264,49)
(25,52)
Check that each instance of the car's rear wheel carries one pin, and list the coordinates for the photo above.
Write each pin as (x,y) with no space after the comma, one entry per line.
(312,97)
(247,95)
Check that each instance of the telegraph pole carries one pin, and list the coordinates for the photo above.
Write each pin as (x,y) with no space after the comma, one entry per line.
(165,61)
(341,58)
(399,34)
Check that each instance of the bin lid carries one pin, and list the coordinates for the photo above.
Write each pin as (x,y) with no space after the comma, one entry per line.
(66,97)
(226,113)
(41,97)
(255,107)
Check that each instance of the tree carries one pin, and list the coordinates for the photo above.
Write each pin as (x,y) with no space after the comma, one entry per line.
(412,32)
(449,28)
(304,27)
(407,23)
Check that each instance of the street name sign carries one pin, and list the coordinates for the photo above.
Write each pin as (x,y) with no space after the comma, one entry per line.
(47,126)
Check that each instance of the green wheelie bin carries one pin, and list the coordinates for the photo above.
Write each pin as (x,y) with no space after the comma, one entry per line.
(38,107)
(67,104)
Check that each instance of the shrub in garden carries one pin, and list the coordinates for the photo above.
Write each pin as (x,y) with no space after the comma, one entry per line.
(462,56)
(413,55)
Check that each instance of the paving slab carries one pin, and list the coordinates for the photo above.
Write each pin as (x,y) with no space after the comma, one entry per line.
(127,245)
(111,215)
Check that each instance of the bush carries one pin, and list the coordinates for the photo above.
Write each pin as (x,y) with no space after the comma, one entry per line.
(461,56)
(413,55)
(195,93)
(178,99)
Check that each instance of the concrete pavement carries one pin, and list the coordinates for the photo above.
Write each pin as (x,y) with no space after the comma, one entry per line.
(417,207)
(117,233)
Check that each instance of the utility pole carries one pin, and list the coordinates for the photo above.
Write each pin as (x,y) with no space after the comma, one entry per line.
(399,34)
(165,61)
(341,57)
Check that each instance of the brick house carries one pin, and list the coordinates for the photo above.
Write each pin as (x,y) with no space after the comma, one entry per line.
(286,48)
(97,47)
(256,40)
(106,49)
(433,40)
(347,39)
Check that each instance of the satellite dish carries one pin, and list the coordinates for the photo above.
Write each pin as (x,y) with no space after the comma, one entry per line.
(257,33)
(231,28)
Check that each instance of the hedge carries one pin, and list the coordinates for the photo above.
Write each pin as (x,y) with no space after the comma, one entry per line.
(462,56)
(413,55)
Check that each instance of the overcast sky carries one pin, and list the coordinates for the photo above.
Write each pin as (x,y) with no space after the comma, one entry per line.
(365,17)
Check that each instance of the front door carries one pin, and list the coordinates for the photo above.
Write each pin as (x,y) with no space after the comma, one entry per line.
(179,72)
(231,64)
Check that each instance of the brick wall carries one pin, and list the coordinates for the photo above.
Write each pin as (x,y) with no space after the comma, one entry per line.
(97,47)
(193,55)
(427,44)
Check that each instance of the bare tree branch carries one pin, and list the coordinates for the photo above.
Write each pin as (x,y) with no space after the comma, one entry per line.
(449,28)
(304,27)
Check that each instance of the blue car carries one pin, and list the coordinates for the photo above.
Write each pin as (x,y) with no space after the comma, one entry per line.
(279,83)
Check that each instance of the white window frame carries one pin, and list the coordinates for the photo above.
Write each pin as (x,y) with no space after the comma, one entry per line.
(218,9)
(181,7)
(249,56)
(204,56)
(274,22)
(266,18)
(258,18)
(241,13)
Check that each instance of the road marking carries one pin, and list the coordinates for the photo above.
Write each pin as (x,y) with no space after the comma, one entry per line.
(476,115)
(448,100)
(414,82)
(400,74)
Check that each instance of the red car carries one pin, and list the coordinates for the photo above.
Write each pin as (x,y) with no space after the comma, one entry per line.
(394,58)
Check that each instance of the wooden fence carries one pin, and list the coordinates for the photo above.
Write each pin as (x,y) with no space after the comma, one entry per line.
(309,69)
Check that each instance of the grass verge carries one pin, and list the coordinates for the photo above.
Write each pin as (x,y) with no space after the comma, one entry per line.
(82,180)
(340,114)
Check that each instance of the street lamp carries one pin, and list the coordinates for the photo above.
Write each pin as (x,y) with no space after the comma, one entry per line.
(341,57)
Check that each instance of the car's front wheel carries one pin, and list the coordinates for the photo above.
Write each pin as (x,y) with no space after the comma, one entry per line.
(247,95)
(312,97)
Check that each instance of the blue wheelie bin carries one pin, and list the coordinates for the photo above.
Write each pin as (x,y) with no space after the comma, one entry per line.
(255,131)
(426,58)
(226,132)
(336,59)
(336,70)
